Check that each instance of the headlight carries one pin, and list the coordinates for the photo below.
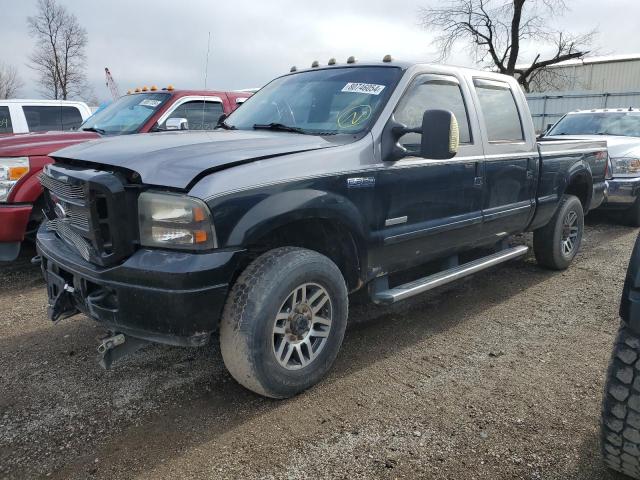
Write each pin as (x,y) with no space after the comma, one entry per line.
(175,221)
(625,166)
(11,170)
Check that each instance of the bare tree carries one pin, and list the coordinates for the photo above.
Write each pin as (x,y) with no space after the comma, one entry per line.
(10,81)
(59,55)
(498,29)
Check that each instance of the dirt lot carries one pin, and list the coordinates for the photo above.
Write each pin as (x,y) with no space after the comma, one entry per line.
(497,377)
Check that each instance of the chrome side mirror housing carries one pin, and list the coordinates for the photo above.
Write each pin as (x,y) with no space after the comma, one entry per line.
(177,124)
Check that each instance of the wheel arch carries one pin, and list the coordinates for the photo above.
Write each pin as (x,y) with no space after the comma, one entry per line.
(321,221)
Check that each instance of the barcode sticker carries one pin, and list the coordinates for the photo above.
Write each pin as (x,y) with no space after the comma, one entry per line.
(368,88)
(147,102)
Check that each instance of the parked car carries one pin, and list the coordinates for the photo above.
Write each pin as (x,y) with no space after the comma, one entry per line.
(326,181)
(23,116)
(620,433)
(23,156)
(621,129)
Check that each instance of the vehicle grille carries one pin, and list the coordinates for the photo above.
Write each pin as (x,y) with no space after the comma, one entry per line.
(88,209)
(62,189)
(63,229)
(79,217)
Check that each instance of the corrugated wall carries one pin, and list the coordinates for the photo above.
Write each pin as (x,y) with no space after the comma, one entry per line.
(549,107)
(613,76)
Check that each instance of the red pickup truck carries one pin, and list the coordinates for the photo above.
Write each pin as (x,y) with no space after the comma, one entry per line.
(22,157)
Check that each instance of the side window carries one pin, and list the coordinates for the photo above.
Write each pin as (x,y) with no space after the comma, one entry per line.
(200,115)
(499,110)
(428,94)
(51,117)
(5,120)
(71,118)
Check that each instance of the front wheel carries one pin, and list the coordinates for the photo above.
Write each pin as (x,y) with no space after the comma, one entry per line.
(557,243)
(284,322)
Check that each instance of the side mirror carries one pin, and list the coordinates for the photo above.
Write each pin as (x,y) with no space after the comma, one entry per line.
(440,137)
(177,124)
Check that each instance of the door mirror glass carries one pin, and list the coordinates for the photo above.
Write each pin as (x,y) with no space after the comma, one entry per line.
(177,124)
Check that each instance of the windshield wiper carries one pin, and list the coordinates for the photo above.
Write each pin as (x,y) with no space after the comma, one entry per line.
(281,127)
(94,129)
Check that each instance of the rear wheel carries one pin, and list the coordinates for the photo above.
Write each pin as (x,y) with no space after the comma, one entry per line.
(284,322)
(557,243)
(620,434)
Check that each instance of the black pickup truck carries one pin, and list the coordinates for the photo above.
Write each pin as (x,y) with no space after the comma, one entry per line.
(327,181)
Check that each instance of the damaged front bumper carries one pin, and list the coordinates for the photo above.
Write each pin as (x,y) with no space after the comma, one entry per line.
(174,298)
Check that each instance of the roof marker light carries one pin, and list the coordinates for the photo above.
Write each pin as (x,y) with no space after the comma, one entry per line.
(351,59)
(387,59)
(293,69)
(129,92)
(137,90)
(145,89)
(170,87)
(332,61)
(153,88)
(315,64)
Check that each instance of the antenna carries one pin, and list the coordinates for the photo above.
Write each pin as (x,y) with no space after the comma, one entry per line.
(206,74)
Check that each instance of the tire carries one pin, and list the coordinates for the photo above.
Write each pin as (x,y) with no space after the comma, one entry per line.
(549,241)
(631,217)
(263,317)
(620,430)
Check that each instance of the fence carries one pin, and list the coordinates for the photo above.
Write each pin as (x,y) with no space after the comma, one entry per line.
(548,108)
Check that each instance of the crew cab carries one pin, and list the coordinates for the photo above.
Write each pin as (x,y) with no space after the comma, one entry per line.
(390,177)
(24,116)
(23,156)
(620,128)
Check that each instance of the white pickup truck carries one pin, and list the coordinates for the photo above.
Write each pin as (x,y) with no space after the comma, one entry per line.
(620,127)
(24,116)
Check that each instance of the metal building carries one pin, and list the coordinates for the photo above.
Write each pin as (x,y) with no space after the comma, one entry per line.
(613,73)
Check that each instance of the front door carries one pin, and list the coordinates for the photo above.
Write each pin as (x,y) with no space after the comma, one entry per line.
(430,206)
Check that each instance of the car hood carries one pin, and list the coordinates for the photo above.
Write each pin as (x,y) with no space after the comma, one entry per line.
(41,143)
(616,145)
(176,159)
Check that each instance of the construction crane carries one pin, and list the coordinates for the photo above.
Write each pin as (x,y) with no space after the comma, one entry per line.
(111,84)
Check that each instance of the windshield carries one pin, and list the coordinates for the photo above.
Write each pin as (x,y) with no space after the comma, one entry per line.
(326,102)
(126,115)
(625,124)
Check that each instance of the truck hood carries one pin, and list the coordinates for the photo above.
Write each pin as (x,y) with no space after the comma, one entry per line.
(176,159)
(41,143)
(616,145)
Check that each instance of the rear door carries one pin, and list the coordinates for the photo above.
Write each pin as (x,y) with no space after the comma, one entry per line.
(511,160)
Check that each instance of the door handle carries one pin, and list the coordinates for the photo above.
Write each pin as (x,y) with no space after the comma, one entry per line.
(477,182)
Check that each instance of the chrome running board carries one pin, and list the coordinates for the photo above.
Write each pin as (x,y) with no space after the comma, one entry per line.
(401,292)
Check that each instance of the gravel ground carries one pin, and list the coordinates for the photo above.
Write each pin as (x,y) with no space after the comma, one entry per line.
(496,377)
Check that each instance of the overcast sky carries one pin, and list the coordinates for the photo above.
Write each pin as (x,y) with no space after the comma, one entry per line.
(163,42)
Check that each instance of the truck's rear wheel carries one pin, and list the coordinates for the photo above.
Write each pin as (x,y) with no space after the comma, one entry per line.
(621,406)
(284,322)
(557,243)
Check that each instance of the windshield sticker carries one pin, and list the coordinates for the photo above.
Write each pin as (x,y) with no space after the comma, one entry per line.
(147,102)
(368,88)
(354,116)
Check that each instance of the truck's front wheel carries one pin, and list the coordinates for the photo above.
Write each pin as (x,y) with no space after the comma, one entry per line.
(557,243)
(284,322)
